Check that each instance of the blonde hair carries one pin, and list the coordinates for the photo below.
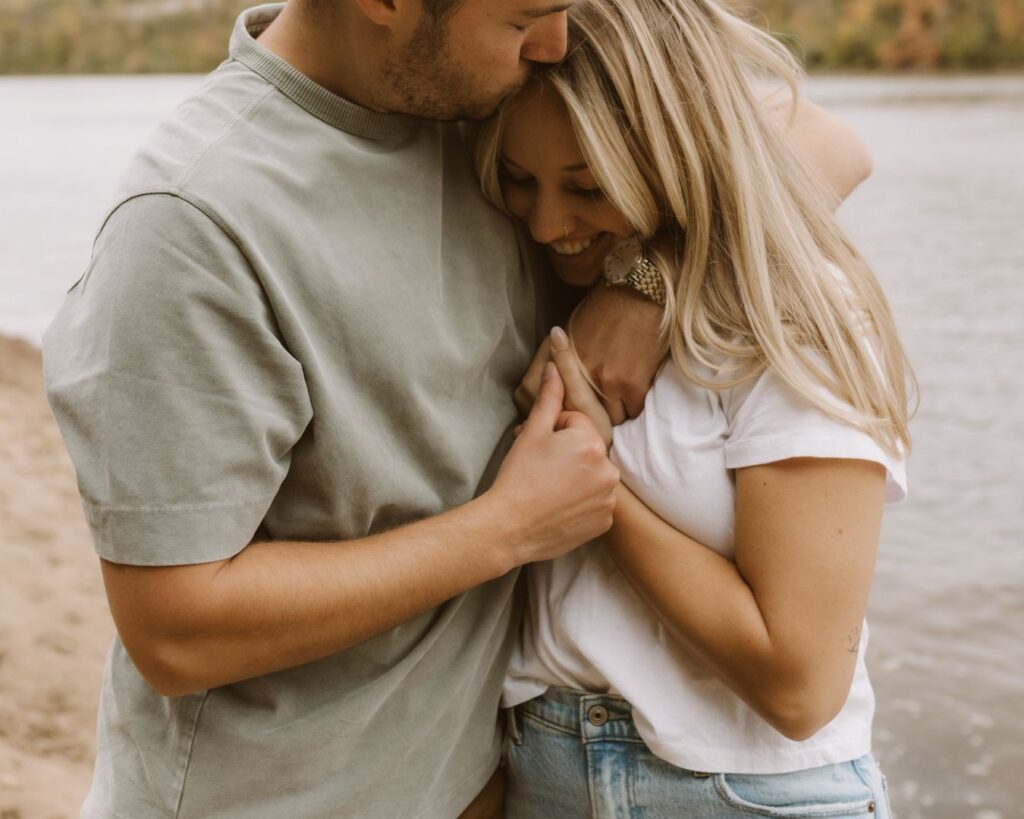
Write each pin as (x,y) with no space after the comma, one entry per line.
(660,97)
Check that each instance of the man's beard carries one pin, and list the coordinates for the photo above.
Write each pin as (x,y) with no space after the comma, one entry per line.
(427,84)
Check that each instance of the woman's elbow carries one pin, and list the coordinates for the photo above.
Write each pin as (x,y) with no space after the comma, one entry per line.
(801,723)
(798,712)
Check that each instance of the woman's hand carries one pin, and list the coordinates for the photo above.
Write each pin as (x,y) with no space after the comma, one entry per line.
(579,395)
(617,342)
(526,392)
(617,336)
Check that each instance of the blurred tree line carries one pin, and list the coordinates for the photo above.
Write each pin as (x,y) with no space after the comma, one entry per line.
(151,36)
(898,34)
(115,36)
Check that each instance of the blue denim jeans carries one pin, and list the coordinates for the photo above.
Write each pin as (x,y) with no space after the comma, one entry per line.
(571,754)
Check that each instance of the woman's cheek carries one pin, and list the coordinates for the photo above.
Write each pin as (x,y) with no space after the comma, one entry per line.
(516,201)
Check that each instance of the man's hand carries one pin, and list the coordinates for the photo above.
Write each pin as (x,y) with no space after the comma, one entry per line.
(556,482)
(827,144)
(279,604)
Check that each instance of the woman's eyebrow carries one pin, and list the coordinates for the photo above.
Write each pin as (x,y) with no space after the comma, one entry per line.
(579,166)
(544,12)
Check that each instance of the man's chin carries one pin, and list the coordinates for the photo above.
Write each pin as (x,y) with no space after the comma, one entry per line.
(486,110)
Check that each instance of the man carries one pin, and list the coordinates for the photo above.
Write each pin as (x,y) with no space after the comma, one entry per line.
(285,381)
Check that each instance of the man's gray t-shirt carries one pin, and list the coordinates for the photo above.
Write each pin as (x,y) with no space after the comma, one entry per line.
(301,322)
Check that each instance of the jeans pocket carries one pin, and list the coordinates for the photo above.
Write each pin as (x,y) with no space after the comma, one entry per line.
(828,791)
(885,795)
(513,730)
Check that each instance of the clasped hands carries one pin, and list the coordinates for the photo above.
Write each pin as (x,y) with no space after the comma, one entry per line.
(608,363)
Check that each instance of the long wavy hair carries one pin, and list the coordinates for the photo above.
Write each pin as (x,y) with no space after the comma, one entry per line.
(662,98)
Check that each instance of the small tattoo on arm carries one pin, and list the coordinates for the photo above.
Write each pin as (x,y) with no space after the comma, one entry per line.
(853,640)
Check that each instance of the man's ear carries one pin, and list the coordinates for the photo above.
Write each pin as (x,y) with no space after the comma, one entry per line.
(391,13)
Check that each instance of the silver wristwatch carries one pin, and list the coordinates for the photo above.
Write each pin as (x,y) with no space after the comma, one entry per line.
(627,264)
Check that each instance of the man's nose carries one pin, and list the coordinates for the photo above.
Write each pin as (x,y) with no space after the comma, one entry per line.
(547,41)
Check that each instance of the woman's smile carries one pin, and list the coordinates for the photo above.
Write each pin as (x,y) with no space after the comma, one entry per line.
(571,247)
(578,261)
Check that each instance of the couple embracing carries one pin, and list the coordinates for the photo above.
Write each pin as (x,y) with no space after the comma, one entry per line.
(334,548)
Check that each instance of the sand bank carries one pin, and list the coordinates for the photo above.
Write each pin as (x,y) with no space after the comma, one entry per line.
(54,623)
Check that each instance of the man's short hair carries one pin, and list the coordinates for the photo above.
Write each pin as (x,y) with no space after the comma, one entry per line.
(437,9)
(440,9)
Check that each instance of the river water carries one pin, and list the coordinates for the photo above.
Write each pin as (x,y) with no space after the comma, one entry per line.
(942,221)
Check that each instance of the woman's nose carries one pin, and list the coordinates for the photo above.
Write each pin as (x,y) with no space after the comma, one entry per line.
(549,221)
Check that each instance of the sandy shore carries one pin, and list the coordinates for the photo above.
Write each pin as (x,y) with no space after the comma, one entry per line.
(54,623)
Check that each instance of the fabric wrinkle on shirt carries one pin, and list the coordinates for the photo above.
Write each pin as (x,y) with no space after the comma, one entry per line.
(301,321)
(588,629)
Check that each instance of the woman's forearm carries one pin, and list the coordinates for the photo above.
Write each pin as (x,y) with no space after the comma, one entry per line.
(712,610)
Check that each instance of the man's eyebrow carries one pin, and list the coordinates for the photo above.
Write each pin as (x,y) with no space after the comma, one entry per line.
(544,12)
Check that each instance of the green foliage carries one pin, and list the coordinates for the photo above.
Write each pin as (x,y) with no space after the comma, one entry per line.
(156,36)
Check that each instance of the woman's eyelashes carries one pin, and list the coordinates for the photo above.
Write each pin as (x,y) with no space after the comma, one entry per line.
(515,178)
(521,180)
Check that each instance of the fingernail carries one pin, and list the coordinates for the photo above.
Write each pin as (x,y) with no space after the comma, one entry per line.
(559,340)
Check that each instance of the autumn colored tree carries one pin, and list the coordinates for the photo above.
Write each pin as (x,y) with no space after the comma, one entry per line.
(140,36)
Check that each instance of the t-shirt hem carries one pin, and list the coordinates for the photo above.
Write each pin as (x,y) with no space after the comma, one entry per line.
(174,536)
(463,794)
(522,692)
(773,448)
(766,761)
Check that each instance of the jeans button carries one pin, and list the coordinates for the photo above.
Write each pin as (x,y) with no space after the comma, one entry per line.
(598,715)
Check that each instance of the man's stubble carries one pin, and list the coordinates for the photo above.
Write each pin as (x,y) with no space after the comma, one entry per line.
(427,81)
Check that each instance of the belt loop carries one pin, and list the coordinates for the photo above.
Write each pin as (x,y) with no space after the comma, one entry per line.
(512,726)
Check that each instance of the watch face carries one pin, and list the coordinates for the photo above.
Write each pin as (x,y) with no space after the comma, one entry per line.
(621,259)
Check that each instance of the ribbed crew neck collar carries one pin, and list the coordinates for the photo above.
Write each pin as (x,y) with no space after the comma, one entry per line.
(321,103)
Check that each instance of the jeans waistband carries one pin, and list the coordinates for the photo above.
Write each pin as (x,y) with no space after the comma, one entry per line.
(591,717)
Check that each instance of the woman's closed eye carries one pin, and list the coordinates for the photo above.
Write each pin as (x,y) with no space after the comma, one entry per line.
(586,193)
(515,177)
(522,180)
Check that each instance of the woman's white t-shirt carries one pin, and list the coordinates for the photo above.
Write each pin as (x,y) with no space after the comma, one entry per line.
(587,628)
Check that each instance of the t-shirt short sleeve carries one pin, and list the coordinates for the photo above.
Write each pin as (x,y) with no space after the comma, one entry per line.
(769,421)
(177,399)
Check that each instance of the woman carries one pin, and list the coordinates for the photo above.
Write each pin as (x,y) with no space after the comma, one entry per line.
(706,657)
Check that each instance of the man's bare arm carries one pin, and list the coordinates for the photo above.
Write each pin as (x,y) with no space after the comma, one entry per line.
(280,604)
(829,146)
